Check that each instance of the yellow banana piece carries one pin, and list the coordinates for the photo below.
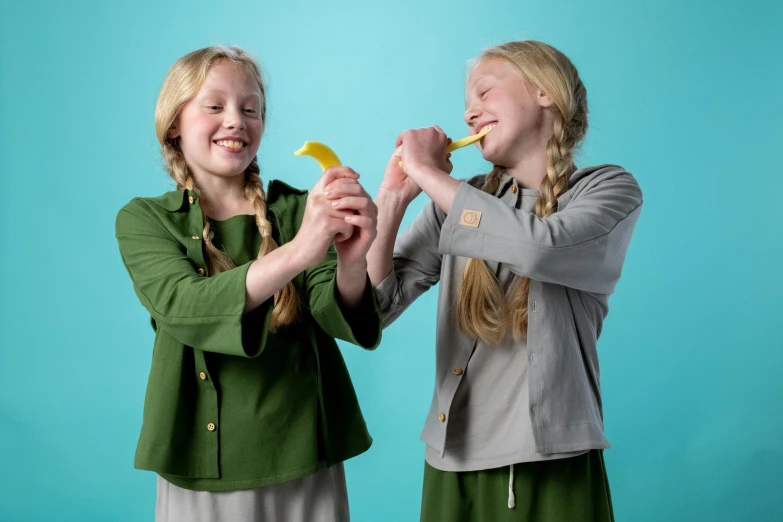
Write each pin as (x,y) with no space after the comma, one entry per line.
(467,140)
(323,155)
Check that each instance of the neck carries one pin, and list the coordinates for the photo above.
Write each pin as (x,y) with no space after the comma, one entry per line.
(530,168)
(223,196)
(528,165)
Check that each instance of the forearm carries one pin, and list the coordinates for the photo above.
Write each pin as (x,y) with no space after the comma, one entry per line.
(391,209)
(438,185)
(269,274)
(351,284)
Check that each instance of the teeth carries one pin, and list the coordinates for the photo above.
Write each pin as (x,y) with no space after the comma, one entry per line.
(488,128)
(231,144)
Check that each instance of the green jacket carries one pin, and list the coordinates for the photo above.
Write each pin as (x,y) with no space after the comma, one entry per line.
(230,405)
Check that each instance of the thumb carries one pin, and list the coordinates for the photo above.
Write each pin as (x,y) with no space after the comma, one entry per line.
(326,178)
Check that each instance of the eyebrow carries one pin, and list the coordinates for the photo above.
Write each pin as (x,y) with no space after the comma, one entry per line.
(245,94)
(485,75)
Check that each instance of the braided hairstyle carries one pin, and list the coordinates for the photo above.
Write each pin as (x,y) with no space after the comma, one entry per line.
(484,311)
(182,83)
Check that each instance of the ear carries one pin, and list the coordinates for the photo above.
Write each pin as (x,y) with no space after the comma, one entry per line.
(173,131)
(543,99)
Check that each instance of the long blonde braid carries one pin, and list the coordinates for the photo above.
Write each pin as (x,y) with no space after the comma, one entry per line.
(482,307)
(560,166)
(287,309)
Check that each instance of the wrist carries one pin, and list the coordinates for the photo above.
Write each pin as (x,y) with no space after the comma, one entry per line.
(352,268)
(425,172)
(294,256)
(391,201)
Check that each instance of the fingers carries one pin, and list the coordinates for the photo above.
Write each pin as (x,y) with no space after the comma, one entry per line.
(442,135)
(337,213)
(339,190)
(321,207)
(333,173)
(419,132)
(364,222)
(344,187)
(339,229)
(364,205)
(396,159)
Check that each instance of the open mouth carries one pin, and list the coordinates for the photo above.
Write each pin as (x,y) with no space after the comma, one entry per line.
(231,145)
(487,126)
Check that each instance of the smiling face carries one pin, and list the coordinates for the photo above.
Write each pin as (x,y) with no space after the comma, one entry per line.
(220,128)
(497,96)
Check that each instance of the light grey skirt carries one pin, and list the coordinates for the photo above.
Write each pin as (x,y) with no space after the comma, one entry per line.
(322,497)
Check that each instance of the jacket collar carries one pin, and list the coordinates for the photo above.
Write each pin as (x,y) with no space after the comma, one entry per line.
(180,200)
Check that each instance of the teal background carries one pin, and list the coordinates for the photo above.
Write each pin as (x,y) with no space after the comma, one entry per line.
(687,97)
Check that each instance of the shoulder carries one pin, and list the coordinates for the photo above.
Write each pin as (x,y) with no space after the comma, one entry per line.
(287,204)
(607,173)
(613,180)
(142,210)
(171,201)
(476,181)
(282,197)
(279,188)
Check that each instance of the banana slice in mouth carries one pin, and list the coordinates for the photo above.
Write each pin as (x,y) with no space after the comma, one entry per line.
(321,153)
(469,140)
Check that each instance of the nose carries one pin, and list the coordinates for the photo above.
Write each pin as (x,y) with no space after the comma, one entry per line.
(234,119)
(472,114)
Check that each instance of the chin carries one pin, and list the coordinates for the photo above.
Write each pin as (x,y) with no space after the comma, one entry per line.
(228,171)
(492,156)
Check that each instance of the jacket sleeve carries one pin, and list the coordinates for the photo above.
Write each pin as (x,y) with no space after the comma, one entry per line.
(206,313)
(362,326)
(581,247)
(417,264)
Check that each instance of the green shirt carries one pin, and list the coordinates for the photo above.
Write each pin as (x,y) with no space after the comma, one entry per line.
(230,405)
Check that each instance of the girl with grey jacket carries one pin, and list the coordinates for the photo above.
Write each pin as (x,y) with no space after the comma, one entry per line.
(527,257)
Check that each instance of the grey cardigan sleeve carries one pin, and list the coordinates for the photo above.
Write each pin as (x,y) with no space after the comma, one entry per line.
(583,246)
(416,264)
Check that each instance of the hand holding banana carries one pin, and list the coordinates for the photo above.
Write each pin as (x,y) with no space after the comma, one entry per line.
(346,195)
(464,142)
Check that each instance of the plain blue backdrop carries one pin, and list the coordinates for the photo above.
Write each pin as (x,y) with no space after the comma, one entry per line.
(685,95)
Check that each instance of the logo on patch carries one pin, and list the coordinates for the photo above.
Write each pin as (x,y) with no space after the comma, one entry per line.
(470,218)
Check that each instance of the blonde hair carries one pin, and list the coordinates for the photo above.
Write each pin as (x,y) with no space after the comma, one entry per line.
(182,83)
(484,311)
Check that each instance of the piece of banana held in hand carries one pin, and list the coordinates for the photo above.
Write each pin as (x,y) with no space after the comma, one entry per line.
(323,155)
(326,158)
(467,140)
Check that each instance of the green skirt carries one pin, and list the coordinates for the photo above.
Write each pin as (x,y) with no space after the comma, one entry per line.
(564,490)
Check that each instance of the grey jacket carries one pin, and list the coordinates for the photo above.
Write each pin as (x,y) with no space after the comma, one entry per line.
(574,259)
